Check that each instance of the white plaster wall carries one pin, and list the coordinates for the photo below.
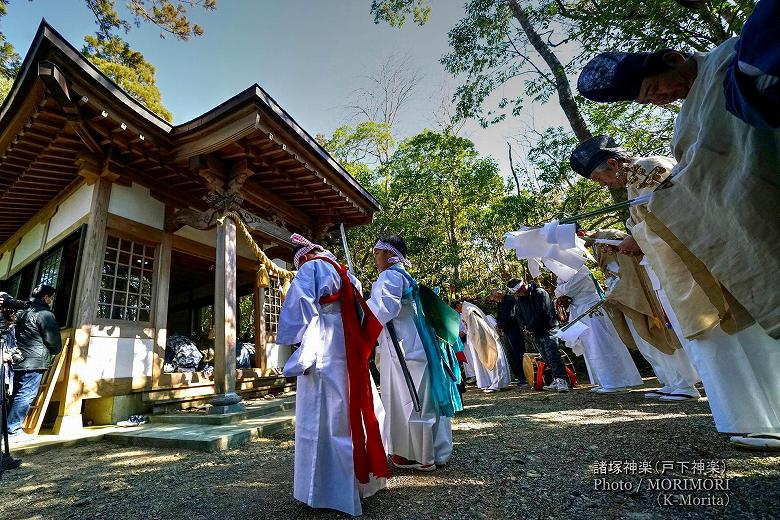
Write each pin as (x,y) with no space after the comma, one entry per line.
(136,204)
(209,238)
(111,358)
(30,245)
(277,355)
(281,263)
(5,263)
(70,211)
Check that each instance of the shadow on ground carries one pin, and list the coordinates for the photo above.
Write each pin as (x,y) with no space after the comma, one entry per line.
(518,454)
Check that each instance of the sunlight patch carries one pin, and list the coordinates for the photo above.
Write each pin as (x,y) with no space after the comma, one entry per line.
(125,453)
(599,416)
(471,406)
(471,425)
(143,460)
(433,481)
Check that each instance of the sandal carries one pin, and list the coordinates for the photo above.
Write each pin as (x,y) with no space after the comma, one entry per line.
(757,441)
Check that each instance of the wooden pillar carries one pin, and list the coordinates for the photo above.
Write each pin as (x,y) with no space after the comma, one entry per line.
(69,415)
(260,340)
(225,304)
(162,293)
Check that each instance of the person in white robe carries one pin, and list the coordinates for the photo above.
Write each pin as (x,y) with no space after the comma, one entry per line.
(673,369)
(468,366)
(738,370)
(609,362)
(420,440)
(483,348)
(324,474)
(726,180)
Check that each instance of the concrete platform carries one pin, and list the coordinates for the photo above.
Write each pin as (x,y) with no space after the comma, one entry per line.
(195,430)
(204,436)
(254,409)
(47,441)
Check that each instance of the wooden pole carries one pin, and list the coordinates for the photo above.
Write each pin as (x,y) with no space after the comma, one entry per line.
(69,414)
(260,355)
(226,399)
(161,307)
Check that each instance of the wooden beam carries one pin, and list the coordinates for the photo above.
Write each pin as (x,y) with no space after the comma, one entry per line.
(40,215)
(138,231)
(213,137)
(266,199)
(265,227)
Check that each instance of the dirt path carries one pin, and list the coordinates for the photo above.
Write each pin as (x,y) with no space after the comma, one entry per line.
(518,454)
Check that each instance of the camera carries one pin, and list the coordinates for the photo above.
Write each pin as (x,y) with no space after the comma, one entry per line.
(7,303)
(8,348)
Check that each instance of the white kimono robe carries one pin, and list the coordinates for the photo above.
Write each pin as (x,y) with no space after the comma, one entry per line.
(739,374)
(487,379)
(674,371)
(422,436)
(724,204)
(324,469)
(606,356)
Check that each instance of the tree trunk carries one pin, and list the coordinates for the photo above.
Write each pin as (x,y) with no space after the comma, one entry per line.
(565,96)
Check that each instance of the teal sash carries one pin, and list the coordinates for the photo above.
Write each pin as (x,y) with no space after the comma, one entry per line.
(438,352)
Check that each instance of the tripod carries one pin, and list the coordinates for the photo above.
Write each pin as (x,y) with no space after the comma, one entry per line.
(6,461)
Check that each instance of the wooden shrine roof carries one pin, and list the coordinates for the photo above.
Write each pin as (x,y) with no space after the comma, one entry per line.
(61,108)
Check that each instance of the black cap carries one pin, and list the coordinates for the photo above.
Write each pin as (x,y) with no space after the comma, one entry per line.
(593,152)
(617,76)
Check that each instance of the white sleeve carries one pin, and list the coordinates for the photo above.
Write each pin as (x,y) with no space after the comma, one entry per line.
(386,294)
(300,311)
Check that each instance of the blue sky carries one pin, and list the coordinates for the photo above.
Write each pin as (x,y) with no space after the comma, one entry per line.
(308,54)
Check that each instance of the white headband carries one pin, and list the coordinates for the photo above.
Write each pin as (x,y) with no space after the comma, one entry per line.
(397,256)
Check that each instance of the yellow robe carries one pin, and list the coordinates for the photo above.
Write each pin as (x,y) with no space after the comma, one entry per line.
(699,302)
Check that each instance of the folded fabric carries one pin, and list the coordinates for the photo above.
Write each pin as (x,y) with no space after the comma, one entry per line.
(573,333)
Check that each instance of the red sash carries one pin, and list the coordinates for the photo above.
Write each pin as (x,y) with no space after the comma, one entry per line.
(360,337)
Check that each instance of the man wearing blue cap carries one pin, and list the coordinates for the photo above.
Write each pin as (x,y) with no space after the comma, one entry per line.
(727,176)
(739,371)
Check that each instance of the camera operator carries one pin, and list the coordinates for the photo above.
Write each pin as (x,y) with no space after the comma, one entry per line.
(38,339)
(8,308)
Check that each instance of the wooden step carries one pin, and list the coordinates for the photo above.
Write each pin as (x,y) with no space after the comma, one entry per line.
(34,419)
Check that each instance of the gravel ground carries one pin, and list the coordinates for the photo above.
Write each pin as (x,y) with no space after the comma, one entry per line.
(518,454)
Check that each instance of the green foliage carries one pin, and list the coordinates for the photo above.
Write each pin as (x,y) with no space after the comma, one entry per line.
(395,12)
(171,16)
(9,59)
(433,189)
(111,54)
(636,25)
(644,129)
(5,87)
(368,142)
(246,315)
(128,69)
